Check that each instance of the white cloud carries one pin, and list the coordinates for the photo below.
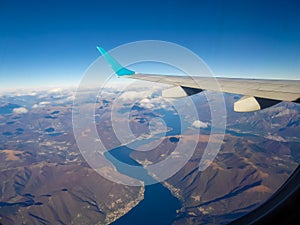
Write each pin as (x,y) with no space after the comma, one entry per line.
(70,98)
(44,103)
(40,104)
(199,124)
(156,102)
(30,93)
(20,110)
(146,97)
(55,90)
(134,95)
(146,103)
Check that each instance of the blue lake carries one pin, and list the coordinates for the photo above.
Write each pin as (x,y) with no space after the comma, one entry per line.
(158,206)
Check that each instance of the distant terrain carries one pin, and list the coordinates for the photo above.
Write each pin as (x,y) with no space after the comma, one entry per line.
(45,180)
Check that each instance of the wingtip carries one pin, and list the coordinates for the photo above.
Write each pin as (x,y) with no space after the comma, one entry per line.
(118,69)
(101,50)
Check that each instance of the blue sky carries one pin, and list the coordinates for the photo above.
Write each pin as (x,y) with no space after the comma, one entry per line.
(53,42)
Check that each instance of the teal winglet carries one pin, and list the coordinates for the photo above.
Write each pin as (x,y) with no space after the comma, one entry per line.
(118,69)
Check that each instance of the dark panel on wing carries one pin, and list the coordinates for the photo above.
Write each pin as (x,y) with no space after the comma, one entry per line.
(191,91)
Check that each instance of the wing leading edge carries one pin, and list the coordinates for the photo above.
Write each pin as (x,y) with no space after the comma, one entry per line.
(257,93)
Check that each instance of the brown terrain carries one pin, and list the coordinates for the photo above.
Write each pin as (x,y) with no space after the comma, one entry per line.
(256,158)
(49,193)
(45,180)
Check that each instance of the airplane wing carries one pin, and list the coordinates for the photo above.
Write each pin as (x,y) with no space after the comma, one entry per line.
(257,93)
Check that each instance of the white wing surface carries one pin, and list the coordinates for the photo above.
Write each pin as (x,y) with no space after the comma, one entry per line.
(258,93)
